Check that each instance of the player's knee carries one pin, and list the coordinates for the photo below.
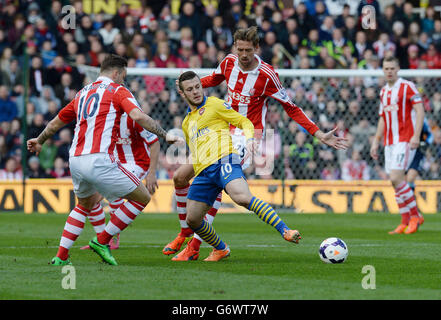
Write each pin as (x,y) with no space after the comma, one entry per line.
(193,222)
(242,199)
(179,180)
(147,198)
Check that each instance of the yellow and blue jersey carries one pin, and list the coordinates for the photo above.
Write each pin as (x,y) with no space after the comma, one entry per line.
(207,131)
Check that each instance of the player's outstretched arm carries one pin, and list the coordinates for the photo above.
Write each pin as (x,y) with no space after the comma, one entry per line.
(151,125)
(35,144)
(332,140)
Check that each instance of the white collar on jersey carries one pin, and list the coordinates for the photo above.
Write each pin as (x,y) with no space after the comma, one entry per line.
(104,79)
(255,70)
(397,83)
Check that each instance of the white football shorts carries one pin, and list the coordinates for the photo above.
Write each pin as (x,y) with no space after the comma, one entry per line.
(99,172)
(398,156)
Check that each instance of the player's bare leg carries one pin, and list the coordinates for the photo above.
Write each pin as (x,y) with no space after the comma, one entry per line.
(240,193)
(181,180)
(406,203)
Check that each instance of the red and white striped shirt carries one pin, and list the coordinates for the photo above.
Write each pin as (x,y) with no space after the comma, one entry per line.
(98,108)
(396,108)
(248,92)
(133,143)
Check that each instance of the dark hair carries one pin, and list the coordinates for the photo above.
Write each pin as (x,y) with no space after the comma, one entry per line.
(112,61)
(249,34)
(187,75)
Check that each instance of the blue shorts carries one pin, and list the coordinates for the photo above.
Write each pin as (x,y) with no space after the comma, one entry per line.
(213,179)
(417,160)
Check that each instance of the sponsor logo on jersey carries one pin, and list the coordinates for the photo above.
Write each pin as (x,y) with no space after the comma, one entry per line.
(390,108)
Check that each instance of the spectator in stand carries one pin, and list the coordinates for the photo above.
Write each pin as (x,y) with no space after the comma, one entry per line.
(301,155)
(47,96)
(35,171)
(42,34)
(428,22)
(413,58)
(52,111)
(83,31)
(129,30)
(60,169)
(382,45)
(435,35)
(163,55)
(218,31)
(37,126)
(8,108)
(120,16)
(326,29)
(409,16)
(355,168)
(353,115)
(62,90)
(37,76)
(313,44)
(108,33)
(190,18)
(47,155)
(432,58)
(11,171)
(64,144)
(48,54)
(304,21)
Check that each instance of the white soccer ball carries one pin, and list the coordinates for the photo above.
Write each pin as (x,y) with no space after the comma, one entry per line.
(333,250)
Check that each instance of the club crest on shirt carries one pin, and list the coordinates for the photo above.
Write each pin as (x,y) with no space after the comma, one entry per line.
(252,91)
(201,111)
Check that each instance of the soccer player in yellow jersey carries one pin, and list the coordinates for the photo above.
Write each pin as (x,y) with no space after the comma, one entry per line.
(217,166)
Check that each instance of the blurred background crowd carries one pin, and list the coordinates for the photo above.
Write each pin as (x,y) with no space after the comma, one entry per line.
(294,34)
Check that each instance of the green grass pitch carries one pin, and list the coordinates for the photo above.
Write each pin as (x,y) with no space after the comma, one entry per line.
(262,266)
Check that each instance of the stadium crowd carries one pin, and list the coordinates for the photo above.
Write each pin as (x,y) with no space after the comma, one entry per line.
(199,34)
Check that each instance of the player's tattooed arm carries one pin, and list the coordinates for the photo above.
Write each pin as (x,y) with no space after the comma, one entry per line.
(52,127)
(35,144)
(151,125)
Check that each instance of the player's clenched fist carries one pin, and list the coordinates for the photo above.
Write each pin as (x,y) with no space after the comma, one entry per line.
(33,145)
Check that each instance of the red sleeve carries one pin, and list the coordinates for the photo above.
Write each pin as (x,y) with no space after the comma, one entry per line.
(218,75)
(67,114)
(124,99)
(275,90)
(212,80)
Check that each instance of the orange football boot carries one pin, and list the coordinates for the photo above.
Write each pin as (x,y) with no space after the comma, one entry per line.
(400,229)
(217,255)
(413,225)
(174,246)
(188,254)
(292,236)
